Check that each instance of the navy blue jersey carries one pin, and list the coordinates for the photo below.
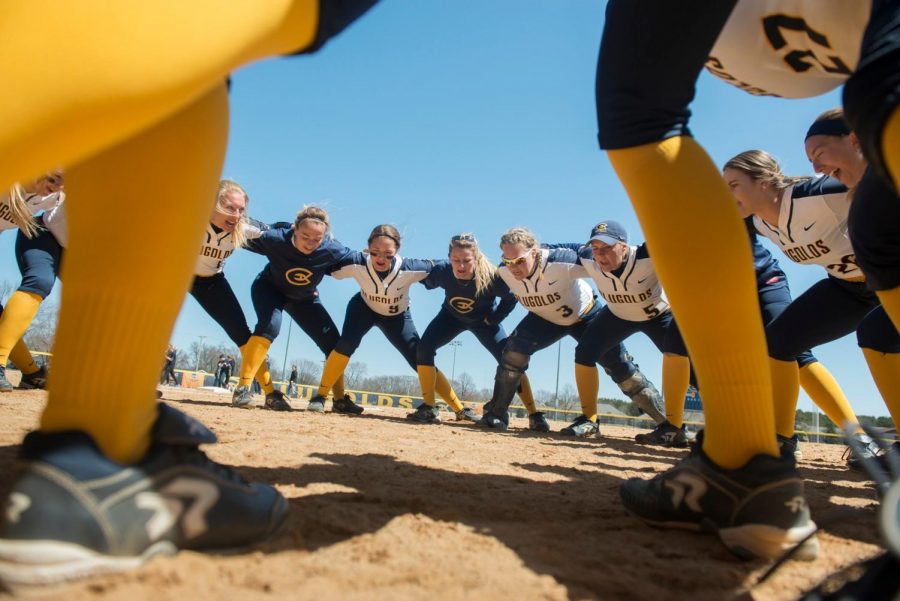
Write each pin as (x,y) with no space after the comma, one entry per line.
(492,306)
(296,275)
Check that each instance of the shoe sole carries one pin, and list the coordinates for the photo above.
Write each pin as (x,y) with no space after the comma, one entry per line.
(661,443)
(316,409)
(414,420)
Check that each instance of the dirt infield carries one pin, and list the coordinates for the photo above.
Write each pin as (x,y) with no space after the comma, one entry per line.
(385,509)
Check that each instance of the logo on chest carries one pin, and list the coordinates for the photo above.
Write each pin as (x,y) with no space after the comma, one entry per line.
(298,276)
(462,304)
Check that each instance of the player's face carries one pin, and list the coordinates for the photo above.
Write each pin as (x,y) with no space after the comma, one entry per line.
(308,236)
(519,259)
(382,250)
(750,195)
(609,257)
(463,262)
(229,211)
(837,156)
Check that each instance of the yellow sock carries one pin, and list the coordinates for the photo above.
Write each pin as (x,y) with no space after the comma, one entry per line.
(445,390)
(785,393)
(676,370)
(120,299)
(526,396)
(337,389)
(17,316)
(427,375)
(253,359)
(587,380)
(334,369)
(826,393)
(676,188)
(885,369)
(114,86)
(21,356)
(890,300)
(264,377)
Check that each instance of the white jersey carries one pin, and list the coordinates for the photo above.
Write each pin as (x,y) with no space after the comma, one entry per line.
(218,246)
(790,48)
(633,295)
(56,223)
(554,291)
(34,202)
(386,294)
(812,227)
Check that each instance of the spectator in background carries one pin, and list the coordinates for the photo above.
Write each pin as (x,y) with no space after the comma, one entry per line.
(292,382)
(169,367)
(222,371)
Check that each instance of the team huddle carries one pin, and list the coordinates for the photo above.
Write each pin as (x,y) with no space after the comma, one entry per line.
(748,354)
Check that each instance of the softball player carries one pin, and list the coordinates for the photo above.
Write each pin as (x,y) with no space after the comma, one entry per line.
(471,292)
(37,254)
(765,47)
(299,257)
(384,278)
(548,283)
(229,229)
(126,108)
(807,220)
(635,302)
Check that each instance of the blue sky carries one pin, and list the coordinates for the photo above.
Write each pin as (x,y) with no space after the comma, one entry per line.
(441,117)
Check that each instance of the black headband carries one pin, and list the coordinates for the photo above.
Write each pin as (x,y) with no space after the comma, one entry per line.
(835,126)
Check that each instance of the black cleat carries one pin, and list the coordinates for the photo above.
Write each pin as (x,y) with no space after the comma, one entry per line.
(35,381)
(242,397)
(867,448)
(73,513)
(538,423)
(757,510)
(467,415)
(664,435)
(495,422)
(5,385)
(345,405)
(425,414)
(792,444)
(276,401)
(581,427)
(316,404)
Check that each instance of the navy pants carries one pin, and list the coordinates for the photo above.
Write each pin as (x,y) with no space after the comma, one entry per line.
(445,327)
(39,260)
(606,331)
(398,329)
(217,298)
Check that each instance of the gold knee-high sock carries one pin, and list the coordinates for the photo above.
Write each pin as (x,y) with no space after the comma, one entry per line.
(253,359)
(826,393)
(890,142)
(17,316)
(265,378)
(676,370)
(334,369)
(21,356)
(785,394)
(337,389)
(427,376)
(885,369)
(114,86)
(115,286)
(526,396)
(890,300)
(446,392)
(675,187)
(587,380)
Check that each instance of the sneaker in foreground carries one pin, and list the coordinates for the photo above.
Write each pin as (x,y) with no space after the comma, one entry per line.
(242,397)
(35,381)
(72,512)
(581,426)
(537,422)
(316,404)
(276,401)
(5,385)
(425,414)
(467,415)
(757,510)
(666,435)
(345,405)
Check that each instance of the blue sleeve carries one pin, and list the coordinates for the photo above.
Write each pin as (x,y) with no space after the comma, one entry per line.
(507,301)
(651,55)
(262,244)
(437,276)
(335,16)
(351,257)
(423,265)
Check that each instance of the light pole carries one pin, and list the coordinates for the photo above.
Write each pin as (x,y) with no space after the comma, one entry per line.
(455,344)
(556,392)
(200,351)
(287,345)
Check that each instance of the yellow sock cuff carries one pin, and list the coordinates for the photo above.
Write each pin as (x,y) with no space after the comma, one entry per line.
(826,393)
(445,390)
(885,369)
(890,300)
(676,371)
(334,369)
(427,378)
(526,395)
(587,380)
(17,316)
(337,389)
(21,357)
(785,393)
(264,377)
(253,357)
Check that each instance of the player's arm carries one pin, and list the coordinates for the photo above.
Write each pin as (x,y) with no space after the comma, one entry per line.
(507,302)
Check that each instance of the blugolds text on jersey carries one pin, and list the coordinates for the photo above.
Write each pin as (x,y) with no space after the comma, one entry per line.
(807,252)
(543,300)
(215,253)
(386,300)
(627,298)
